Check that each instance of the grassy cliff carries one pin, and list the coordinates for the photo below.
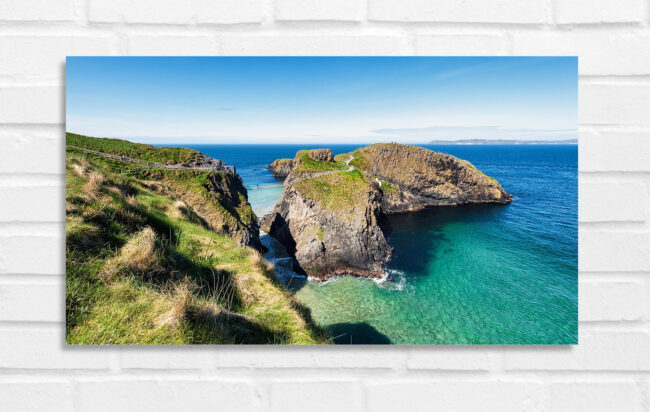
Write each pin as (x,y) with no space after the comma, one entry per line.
(337,191)
(144,266)
(165,155)
(306,164)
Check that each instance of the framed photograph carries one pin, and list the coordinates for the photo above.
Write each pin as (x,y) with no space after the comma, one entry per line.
(321,200)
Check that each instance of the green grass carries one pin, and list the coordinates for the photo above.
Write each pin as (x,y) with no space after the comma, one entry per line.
(217,195)
(309,165)
(387,187)
(359,161)
(183,284)
(480,172)
(336,191)
(166,155)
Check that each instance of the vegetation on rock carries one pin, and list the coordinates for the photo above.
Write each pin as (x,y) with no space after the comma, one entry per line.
(164,155)
(304,163)
(281,168)
(146,267)
(336,191)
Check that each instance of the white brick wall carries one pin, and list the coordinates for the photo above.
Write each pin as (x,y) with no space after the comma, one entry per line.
(608,371)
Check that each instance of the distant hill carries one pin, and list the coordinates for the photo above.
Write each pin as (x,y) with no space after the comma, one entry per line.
(500,141)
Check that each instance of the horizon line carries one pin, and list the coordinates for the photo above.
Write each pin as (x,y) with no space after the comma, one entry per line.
(439,141)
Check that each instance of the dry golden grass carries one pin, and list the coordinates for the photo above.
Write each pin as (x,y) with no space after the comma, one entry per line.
(178,209)
(95,182)
(79,170)
(157,187)
(115,190)
(139,255)
(181,296)
(255,258)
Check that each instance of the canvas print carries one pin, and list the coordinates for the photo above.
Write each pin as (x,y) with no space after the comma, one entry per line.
(321,200)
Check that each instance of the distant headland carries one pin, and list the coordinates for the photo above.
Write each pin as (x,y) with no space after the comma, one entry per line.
(501,141)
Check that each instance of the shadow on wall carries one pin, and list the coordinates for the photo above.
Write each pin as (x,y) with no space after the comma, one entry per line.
(356,334)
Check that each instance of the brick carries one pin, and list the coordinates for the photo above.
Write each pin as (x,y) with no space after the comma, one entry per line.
(460,45)
(46,154)
(32,254)
(251,44)
(611,301)
(454,396)
(599,11)
(201,394)
(596,351)
(32,302)
(614,151)
(600,53)
(38,57)
(613,251)
(153,45)
(36,396)
(22,348)
(173,12)
(612,201)
(307,357)
(594,397)
(448,358)
(25,204)
(622,104)
(314,10)
(315,396)
(45,105)
(37,10)
(471,11)
(167,357)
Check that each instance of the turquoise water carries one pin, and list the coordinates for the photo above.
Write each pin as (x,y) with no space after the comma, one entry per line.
(482,274)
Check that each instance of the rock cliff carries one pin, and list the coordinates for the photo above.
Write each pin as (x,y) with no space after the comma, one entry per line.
(413,178)
(281,168)
(329,222)
(221,201)
(331,207)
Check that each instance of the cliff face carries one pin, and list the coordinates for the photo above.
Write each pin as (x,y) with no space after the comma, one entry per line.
(281,168)
(413,178)
(219,199)
(330,224)
(329,214)
(314,159)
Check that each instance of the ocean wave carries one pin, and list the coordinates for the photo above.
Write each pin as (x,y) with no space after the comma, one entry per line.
(395,280)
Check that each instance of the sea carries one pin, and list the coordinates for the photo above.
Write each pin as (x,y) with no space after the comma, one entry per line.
(476,274)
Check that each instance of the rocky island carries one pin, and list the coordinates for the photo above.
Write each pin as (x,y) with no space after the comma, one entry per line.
(329,216)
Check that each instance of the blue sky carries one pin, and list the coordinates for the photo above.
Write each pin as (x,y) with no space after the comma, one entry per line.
(322,99)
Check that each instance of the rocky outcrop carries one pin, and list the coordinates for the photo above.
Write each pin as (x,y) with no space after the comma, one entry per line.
(204,161)
(220,202)
(321,155)
(413,178)
(329,215)
(281,168)
(330,225)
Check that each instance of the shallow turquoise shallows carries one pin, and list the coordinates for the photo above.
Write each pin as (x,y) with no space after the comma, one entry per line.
(481,274)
